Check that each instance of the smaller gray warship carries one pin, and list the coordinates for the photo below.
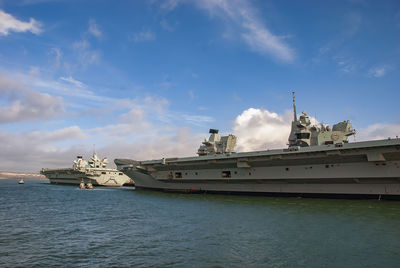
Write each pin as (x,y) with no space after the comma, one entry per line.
(93,172)
(319,161)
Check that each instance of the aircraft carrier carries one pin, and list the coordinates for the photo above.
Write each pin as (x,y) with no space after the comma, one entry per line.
(319,161)
(93,171)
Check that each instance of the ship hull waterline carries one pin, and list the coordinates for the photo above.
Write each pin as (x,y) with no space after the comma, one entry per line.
(350,171)
(317,187)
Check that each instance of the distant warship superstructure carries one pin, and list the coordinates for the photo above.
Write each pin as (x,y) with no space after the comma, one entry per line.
(92,172)
(217,144)
(319,161)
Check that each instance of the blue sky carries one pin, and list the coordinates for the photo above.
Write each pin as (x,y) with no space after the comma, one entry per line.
(147,79)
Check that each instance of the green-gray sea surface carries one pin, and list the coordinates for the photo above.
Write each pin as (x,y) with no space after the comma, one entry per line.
(43,225)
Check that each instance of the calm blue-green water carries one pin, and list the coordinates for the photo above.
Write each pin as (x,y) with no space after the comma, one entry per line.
(43,225)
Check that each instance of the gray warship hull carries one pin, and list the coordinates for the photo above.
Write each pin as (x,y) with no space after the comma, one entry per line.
(96,176)
(369,169)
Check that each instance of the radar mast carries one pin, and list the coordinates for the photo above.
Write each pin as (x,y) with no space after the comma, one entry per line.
(294,108)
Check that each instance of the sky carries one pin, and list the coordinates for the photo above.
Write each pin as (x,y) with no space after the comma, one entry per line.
(147,79)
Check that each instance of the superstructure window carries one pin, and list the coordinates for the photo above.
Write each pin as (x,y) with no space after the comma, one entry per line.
(103,172)
(226,174)
(178,175)
(303,135)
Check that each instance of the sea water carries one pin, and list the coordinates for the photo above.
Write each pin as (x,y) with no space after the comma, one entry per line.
(44,225)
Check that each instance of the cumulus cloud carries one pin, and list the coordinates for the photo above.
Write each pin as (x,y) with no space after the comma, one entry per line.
(10,24)
(258,129)
(25,104)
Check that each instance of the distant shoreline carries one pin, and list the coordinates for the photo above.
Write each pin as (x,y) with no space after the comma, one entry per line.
(21,175)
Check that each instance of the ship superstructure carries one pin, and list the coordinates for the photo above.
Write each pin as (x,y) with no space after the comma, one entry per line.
(304,134)
(94,171)
(319,160)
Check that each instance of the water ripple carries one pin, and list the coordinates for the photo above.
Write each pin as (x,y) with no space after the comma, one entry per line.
(46,225)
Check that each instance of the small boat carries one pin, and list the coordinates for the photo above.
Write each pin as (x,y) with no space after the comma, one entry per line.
(21,181)
(82,185)
(89,185)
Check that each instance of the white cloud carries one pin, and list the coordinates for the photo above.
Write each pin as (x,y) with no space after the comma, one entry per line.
(67,90)
(72,132)
(378,131)
(73,81)
(262,40)
(143,114)
(36,149)
(178,142)
(26,104)
(250,26)
(94,29)
(145,35)
(377,71)
(258,37)
(10,24)
(258,129)
(254,33)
